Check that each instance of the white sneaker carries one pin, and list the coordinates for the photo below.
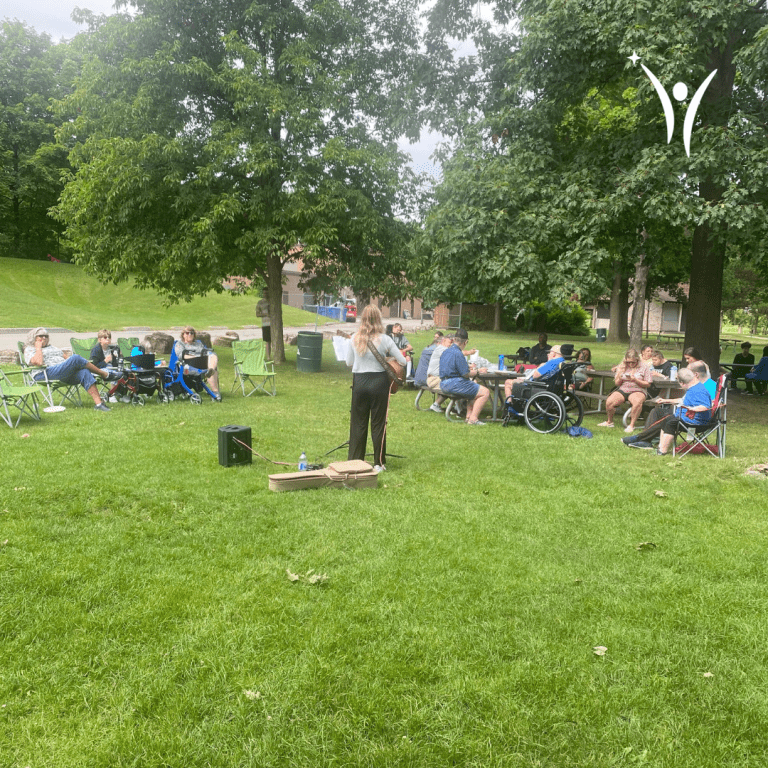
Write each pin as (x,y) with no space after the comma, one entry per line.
(436,408)
(379,468)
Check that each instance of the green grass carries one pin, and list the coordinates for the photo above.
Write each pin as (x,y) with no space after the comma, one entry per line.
(62,296)
(147,619)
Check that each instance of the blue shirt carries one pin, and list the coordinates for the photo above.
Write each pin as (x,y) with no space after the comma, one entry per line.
(550,367)
(696,395)
(453,364)
(711,386)
(420,379)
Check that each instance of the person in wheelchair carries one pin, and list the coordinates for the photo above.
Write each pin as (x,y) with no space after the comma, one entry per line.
(548,368)
(190,346)
(692,408)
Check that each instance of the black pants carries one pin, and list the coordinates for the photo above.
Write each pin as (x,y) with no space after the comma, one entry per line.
(370,399)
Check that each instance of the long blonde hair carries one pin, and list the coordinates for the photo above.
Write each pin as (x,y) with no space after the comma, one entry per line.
(370,327)
(631,354)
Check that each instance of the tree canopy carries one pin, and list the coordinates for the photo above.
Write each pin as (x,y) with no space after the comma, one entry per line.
(210,138)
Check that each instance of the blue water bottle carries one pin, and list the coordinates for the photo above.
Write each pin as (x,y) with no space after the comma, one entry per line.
(303,462)
(501,363)
(673,373)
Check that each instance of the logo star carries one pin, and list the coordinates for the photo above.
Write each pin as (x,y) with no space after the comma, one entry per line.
(634,58)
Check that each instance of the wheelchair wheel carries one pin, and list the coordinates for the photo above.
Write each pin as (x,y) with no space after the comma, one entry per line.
(544,413)
(574,410)
(163,398)
(196,399)
(137,400)
(169,396)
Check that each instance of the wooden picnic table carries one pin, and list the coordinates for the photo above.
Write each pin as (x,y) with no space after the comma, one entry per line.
(494,380)
(663,384)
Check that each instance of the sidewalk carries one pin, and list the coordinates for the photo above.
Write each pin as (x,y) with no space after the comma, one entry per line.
(9,337)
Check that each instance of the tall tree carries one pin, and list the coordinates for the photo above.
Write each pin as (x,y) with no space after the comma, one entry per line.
(209,137)
(33,71)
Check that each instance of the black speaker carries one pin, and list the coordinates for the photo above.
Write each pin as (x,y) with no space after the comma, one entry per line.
(231,452)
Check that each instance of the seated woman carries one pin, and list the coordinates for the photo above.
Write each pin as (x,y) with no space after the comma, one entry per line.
(190,346)
(104,355)
(582,381)
(632,381)
(759,374)
(693,408)
(72,370)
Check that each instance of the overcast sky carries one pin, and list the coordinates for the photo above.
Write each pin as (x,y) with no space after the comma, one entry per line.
(54,17)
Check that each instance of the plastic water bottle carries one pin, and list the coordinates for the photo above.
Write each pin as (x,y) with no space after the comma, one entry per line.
(501,363)
(303,462)
(673,373)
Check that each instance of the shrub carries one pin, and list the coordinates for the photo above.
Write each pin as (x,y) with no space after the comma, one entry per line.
(568,319)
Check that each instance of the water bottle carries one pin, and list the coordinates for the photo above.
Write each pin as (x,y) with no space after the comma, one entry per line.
(673,373)
(501,363)
(303,462)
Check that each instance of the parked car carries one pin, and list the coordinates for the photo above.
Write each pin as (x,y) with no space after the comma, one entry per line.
(351,312)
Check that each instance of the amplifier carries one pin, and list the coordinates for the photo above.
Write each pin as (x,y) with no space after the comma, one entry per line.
(231,453)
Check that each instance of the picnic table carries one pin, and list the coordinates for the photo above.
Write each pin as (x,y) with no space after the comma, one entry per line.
(494,380)
(665,386)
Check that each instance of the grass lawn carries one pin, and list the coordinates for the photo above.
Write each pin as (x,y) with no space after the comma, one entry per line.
(147,618)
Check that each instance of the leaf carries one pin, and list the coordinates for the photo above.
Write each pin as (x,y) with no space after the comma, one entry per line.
(252,695)
(599,650)
(660,494)
(292,576)
(317,578)
(644,546)
(708,674)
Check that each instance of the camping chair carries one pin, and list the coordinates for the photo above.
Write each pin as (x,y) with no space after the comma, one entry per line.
(251,367)
(83,347)
(697,438)
(70,393)
(21,397)
(126,345)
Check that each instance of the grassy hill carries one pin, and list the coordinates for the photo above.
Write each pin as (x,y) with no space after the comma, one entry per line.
(63,296)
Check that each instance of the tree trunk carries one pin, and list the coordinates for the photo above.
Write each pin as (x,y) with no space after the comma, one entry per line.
(275,295)
(638,303)
(617,330)
(497,317)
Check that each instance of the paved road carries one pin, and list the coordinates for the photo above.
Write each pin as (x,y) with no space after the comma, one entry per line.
(9,337)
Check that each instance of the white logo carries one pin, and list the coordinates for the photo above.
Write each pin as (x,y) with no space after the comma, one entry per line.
(680,92)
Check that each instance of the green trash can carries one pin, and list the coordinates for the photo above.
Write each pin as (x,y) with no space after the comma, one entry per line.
(601,334)
(310,351)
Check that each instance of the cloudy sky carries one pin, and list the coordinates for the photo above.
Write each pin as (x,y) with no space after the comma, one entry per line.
(54,17)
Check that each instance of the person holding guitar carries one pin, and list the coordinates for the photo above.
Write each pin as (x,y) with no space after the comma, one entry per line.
(370,387)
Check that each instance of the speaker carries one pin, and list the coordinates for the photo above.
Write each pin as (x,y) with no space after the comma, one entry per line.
(231,453)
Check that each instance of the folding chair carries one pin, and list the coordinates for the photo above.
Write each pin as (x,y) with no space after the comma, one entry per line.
(22,397)
(70,393)
(83,347)
(251,368)
(697,438)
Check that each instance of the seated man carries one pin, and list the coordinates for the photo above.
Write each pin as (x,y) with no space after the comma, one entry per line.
(742,365)
(538,353)
(72,370)
(420,379)
(544,371)
(405,347)
(455,375)
(693,408)
(190,346)
(433,370)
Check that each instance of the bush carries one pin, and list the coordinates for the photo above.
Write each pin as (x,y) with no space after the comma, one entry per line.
(568,319)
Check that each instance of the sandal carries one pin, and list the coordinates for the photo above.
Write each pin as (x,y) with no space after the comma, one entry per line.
(605,424)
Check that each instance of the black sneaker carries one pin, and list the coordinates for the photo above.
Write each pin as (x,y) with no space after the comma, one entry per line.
(629,440)
(641,444)
(101,407)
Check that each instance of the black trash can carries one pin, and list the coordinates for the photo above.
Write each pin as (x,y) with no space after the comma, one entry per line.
(310,351)
(601,334)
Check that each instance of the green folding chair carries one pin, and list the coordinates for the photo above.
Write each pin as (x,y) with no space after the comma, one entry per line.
(252,369)
(83,347)
(68,393)
(126,345)
(22,398)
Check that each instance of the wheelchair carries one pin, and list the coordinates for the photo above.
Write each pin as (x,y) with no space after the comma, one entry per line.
(545,406)
(139,380)
(178,384)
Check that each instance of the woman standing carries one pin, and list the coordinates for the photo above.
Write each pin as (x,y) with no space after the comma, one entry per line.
(370,387)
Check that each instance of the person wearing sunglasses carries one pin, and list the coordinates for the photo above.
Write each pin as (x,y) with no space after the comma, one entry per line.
(190,346)
(633,378)
(73,369)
